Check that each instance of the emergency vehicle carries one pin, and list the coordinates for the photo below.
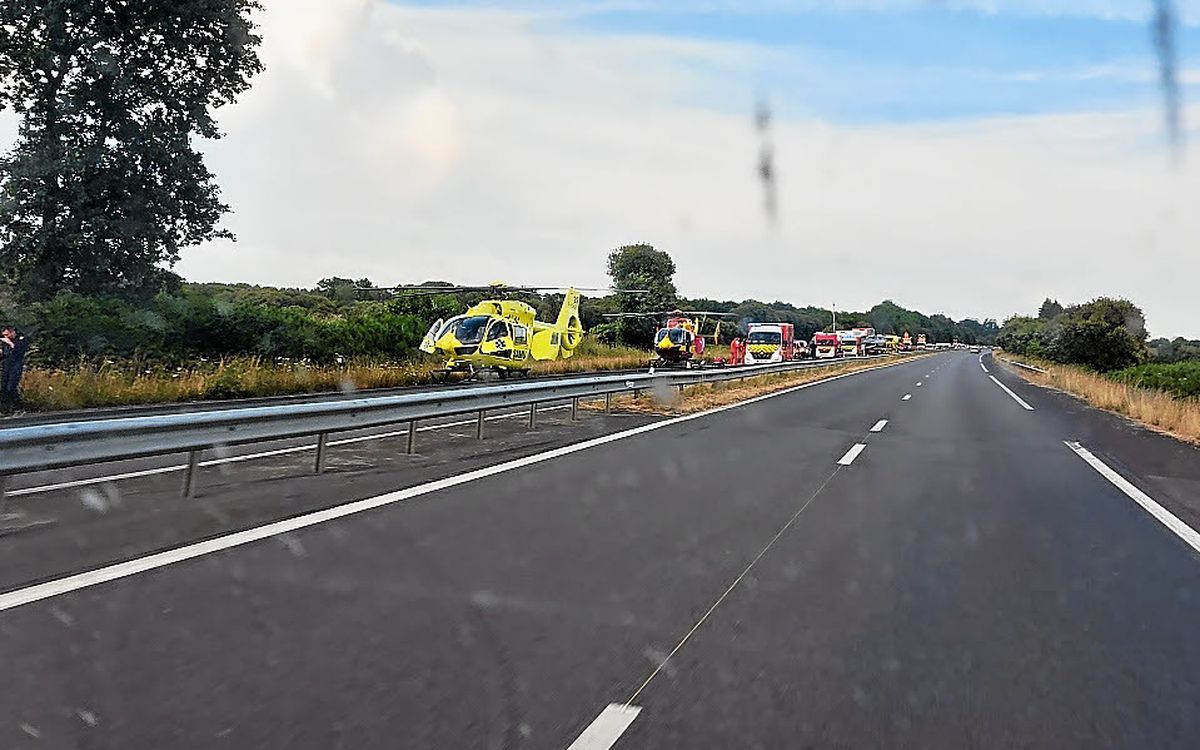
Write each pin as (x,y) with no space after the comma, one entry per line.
(851,343)
(825,345)
(771,342)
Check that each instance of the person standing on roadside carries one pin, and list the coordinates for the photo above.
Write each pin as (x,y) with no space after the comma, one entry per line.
(15,346)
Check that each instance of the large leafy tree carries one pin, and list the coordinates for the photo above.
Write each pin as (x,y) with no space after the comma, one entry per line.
(104,185)
(645,268)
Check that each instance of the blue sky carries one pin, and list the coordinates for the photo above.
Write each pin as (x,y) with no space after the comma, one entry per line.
(904,61)
(973,162)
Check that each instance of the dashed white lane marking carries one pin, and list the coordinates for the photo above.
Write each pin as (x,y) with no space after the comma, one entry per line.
(879,425)
(1008,390)
(918,384)
(907,396)
(116,571)
(852,454)
(263,454)
(1164,516)
(982,366)
(607,728)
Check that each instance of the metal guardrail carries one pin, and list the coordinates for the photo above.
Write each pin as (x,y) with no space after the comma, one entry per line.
(65,444)
(1024,366)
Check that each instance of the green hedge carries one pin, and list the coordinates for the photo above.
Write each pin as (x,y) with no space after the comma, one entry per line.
(192,325)
(1180,379)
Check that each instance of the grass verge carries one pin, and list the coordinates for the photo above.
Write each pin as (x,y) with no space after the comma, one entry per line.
(696,398)
(114,383)
(1157,409)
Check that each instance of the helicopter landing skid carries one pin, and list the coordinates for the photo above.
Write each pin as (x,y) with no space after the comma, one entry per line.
(444,375)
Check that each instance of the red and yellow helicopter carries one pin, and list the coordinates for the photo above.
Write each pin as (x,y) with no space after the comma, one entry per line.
(679,341)
(502,334)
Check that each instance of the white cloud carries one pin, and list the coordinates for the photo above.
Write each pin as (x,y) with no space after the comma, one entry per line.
(477,145)
(1113,10)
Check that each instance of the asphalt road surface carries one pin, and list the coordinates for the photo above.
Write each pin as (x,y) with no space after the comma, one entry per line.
(974,575)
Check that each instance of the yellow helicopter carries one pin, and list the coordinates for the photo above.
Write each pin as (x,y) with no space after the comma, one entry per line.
(501,335)
(679,341)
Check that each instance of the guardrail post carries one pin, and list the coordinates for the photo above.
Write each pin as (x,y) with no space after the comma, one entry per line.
(479,425)
(532,416)
(410,443)
(191,474)
(575,409)
(319,463)
(608,403)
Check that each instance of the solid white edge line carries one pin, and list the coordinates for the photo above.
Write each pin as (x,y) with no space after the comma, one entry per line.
(907,396)
(263,454)
(1164,516)
(983,367)
(607,728)
(852,454)
(1008,390)
(59,586)
(878,426)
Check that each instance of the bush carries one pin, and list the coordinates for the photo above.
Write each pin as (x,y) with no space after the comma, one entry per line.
(1180,379)
(194,325)
(1105,334)
(1094,344)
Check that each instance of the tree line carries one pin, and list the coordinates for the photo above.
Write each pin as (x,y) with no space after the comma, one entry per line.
(350,318)
(643,267)
(1105,334)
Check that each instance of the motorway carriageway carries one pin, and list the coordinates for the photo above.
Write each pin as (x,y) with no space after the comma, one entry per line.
(931,554)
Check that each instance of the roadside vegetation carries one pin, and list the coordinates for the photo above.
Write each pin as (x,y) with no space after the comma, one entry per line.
(1122,392)
(698,398)
(1180,379)
(129,383)
(1098,352)
(217,341)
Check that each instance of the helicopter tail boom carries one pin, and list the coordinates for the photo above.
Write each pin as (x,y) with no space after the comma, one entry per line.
(560,339)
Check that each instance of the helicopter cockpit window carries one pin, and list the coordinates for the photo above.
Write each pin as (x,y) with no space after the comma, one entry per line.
(676,335)
(449,325)
(470,330)
(498,331)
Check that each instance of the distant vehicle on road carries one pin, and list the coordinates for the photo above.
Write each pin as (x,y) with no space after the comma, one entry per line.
(851,343)
(825,346)
(875,344)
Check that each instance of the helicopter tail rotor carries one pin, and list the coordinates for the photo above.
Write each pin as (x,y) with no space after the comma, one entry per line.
(569,325)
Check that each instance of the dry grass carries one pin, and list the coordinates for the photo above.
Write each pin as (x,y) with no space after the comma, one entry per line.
(1159,410)
(132,383)
(698,398)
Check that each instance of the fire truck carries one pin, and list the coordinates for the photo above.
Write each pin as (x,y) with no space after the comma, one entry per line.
(825,345)
(772,342)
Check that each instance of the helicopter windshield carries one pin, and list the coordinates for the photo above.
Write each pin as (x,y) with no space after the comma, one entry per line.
(470,330)
(676,335)
(449,325)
